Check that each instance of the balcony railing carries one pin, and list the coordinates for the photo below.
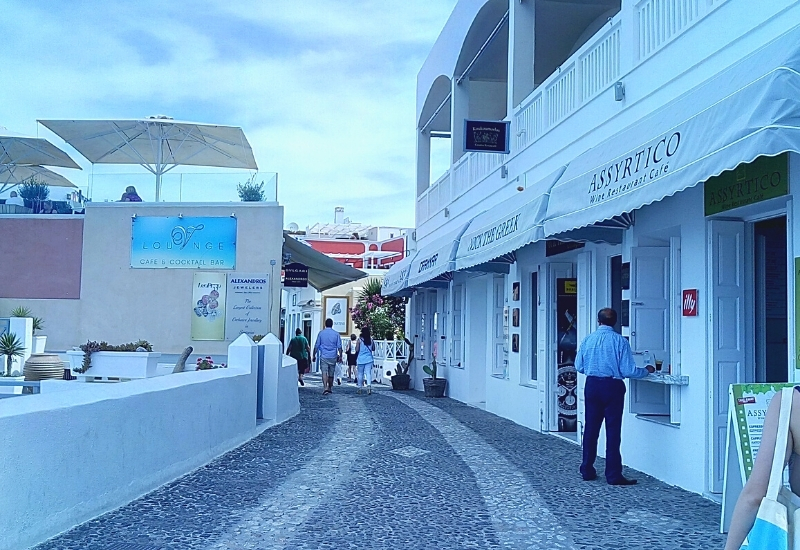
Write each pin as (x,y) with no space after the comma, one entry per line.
(591,70)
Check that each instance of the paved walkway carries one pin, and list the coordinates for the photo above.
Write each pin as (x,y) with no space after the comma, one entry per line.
(394,470)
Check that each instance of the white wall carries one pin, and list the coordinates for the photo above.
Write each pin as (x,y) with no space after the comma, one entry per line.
(72,455)
(119,304)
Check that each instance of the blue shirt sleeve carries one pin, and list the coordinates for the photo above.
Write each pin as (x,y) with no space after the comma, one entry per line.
(579,359)
(627,365)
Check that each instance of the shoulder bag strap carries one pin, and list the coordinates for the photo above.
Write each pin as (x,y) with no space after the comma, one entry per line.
(776,474)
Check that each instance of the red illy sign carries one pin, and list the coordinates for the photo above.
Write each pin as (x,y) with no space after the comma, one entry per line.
(690,303)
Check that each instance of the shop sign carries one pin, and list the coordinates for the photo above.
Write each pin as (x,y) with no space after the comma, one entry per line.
(208,306)
(764,178)
(295,275)
(559,247)
(485,136)
(248,305)
(187,243)
(797,312)
(689,302)
(747,409)
(337,308)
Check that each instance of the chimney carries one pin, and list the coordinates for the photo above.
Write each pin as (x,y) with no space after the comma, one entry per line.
(338,214)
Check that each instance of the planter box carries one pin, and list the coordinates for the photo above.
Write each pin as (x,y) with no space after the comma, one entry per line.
(434,388)
(39,343)
(118,364)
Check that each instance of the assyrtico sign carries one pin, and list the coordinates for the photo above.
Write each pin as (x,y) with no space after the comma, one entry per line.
(639,167)
(764,178)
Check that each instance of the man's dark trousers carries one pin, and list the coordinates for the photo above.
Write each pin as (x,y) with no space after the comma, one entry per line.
(605,398)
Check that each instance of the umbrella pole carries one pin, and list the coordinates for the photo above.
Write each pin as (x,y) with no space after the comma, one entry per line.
(158,186)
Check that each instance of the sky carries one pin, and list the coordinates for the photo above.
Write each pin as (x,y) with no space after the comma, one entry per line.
(323,89)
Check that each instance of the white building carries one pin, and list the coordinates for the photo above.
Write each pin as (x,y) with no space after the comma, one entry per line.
(632,124)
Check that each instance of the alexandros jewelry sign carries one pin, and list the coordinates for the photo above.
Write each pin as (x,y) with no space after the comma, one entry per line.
(183,243)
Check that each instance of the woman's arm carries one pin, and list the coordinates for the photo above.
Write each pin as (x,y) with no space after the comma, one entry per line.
(744,514)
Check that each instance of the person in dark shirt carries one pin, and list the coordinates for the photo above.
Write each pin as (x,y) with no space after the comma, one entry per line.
(300,350)
(130,195)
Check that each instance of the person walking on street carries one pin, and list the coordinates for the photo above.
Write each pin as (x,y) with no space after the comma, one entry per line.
(606,359)
(299,349)
(352,368)
(328,347)
(365,361)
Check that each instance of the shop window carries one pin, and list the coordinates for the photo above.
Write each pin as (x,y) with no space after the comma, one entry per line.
(533,371)
(654,284)
(500,321)
(457,335)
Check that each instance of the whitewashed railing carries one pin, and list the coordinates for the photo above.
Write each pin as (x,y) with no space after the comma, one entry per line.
(591,70)
(661,20)
(561,96)
(600,66)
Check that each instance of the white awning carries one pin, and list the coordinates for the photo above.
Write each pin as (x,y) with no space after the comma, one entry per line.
(435,259)
(396,279)
(752,109)
(323,272)
(506,227)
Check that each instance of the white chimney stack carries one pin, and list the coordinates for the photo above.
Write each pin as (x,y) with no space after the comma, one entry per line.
(338,215)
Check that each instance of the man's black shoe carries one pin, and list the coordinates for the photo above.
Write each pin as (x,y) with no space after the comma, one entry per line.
(623,481)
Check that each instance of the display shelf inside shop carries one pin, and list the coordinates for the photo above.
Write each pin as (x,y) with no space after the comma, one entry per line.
(669,379)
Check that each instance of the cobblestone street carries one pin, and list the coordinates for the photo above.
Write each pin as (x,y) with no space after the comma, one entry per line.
(395,470)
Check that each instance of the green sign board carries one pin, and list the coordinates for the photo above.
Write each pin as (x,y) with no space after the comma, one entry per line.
(746,413)
(764,178)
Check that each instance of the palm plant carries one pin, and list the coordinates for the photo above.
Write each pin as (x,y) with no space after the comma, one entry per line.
(10,346)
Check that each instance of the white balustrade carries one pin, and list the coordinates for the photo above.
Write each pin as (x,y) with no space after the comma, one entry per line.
(460,172)
(600,66)
(483,164)
(661,20)
(529,122)
(561,95)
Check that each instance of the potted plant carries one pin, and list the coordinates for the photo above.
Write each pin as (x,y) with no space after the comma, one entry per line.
(39,342)
(401,379)
(103,360)
(34,193)
(434,387)
(10,347)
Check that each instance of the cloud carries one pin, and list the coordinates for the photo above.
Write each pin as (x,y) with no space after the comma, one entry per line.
(324,89)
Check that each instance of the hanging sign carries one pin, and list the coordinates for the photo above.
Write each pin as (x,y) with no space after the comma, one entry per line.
(208,306)
(295,275)
(689,302)
(247,308)
(559,247)
(337,308)
(188,243)
(486,136)
(747,409)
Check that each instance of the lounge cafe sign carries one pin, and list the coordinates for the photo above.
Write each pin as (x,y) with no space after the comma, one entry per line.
(181,242)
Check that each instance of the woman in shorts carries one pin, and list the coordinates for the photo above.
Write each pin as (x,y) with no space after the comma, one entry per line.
(352,371)
(364,359)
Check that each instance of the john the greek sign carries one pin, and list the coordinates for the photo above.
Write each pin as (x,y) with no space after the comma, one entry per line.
(188,243)
(494,233)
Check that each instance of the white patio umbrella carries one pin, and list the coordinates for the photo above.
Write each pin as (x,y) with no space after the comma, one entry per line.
(12,175)
(157,143)
(17,149)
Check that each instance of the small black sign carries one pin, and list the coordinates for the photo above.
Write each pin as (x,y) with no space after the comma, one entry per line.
(486,136)
(295,275)
(559,247)
(625,276)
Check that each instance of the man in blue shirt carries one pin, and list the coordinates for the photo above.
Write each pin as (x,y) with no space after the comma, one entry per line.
(606,359)
(328,348)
